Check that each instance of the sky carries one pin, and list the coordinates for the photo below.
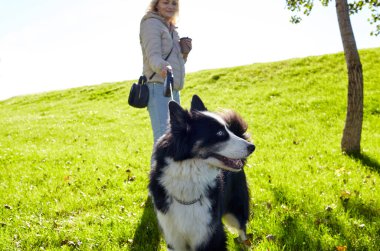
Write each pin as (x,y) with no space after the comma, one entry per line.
(50,45)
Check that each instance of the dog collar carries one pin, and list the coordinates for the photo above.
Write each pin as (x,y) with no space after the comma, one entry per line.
(188,203)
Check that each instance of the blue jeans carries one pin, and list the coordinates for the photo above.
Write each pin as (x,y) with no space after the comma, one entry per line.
(158,108)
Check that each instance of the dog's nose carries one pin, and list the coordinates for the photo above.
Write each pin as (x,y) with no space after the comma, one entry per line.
(251,148)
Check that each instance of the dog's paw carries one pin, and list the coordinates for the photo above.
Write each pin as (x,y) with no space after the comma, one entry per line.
(246,244)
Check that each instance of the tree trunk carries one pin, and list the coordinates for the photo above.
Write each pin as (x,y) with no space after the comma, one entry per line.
(354,118)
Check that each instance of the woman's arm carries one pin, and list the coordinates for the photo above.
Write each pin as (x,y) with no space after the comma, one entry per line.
(152,45)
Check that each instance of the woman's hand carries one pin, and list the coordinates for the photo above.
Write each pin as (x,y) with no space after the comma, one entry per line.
(165,70)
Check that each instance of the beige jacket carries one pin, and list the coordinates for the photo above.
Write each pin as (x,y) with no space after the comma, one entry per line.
(156,42)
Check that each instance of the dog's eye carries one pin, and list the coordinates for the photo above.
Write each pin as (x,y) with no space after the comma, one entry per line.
(220,133)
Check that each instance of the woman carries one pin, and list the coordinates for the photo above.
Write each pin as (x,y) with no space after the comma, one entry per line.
(159,40)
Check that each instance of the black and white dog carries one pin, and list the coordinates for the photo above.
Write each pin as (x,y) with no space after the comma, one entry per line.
(197,177)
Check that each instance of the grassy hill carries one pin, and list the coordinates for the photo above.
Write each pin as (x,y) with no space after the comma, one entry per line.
(74,164)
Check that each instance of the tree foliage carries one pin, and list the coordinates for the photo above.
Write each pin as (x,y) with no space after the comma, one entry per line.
(305,7)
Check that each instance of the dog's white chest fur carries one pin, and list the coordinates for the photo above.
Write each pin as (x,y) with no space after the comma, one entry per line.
(186,226)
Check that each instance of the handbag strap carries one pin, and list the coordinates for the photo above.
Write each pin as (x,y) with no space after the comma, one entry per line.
(166,58)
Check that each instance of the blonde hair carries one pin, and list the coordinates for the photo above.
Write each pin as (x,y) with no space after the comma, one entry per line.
(153,8)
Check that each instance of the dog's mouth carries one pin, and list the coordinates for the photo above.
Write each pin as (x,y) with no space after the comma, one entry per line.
(235,164)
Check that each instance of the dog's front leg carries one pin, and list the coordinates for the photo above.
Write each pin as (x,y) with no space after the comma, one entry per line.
(173,238)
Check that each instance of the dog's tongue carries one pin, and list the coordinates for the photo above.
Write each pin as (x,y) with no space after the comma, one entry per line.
(233,163)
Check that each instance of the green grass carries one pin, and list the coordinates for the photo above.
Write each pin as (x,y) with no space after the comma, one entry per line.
(74,164)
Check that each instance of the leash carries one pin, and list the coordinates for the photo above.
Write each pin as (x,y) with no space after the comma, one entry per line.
(171,91)
(188,203)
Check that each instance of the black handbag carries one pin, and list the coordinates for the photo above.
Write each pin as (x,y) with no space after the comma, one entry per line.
(139,94)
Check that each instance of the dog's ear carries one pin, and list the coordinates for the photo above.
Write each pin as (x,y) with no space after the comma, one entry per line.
(235,123)
(178,116)
(179,131)
(197,104)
